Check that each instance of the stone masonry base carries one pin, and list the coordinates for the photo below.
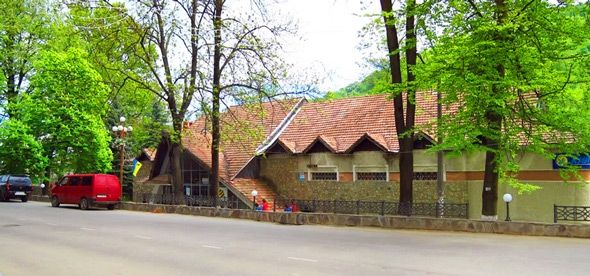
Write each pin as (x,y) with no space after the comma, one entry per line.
(392,222)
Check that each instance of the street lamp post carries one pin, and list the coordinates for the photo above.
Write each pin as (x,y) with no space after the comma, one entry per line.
(507,198)
(121,131)
(254,194)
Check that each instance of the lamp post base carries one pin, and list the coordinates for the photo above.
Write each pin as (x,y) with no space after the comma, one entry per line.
(508,212)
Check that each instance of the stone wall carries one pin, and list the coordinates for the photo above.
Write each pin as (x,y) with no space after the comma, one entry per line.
(392,222)
(578,230)
(283,175)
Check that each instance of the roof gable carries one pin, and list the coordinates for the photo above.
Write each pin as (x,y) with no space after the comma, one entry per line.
(322,144)
(369,142)
(279,147)
(244,128)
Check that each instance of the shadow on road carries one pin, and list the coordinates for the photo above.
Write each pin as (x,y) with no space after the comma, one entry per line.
(77,208)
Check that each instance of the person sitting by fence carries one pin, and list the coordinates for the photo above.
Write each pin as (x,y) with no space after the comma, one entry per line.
(264,205)
(293,206)
(287,208)
(257,207)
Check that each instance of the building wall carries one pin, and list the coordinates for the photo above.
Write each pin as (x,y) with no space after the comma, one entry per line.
(463,182)
(536,206)
(283,172)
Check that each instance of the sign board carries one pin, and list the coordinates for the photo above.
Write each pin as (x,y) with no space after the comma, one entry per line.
(562,161)
(301,177)
(222,192)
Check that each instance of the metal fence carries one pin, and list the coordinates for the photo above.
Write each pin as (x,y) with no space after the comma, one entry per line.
(172,199)
(572,213)
(447,210)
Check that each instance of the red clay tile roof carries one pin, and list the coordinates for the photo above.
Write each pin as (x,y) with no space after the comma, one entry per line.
(377,139)
(243,129)
(287,145)
(327,141)
(338,124)
(344,121)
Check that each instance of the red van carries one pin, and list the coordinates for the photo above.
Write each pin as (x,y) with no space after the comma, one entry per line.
(87,190)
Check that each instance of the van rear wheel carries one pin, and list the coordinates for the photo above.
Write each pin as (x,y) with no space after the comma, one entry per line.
(24,198)
(111,206)
(84,204)
(54,201)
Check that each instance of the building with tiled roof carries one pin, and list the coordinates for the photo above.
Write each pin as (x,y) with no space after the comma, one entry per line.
(345,149)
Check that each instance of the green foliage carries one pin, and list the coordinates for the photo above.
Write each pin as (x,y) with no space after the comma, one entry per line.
(377,82)
(108,35)
(65,112)
(23,31)
(20,152)
(530,70)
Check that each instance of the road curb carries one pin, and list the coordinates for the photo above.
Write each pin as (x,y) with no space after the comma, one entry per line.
(389,222)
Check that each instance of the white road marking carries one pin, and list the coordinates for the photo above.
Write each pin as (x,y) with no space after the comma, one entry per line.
(51,224)
(143,237)
(302,259)
(87,229)
(212,247)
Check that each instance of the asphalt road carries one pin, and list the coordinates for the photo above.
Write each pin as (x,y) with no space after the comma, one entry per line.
(36,239)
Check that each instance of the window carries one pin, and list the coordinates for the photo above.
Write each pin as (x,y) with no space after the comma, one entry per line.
(74,181)
(331,176)
(87,181)
(371,176)
(196,177)
(370,172)
(196,190)
(425,176)
(322,172)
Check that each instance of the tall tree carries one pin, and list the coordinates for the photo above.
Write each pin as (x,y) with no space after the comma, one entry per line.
(247,66)
(192,52)
(21,152)
(65,110)
(169,39)
(518,75)
(23,31)
(404,123)
(108,34)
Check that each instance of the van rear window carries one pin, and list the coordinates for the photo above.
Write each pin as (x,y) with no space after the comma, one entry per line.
(20,180)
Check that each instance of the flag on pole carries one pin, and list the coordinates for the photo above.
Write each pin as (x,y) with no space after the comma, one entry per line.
(136,167)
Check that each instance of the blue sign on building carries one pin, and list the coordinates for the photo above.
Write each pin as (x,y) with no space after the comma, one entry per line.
(562,160)
(301,177)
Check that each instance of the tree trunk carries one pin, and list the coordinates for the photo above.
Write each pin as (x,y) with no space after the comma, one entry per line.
(403,124)
(175,155)
(10,69)
(406,168)
(440,184)
(489,196)
(215,129)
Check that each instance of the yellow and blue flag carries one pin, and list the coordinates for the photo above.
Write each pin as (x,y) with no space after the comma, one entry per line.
(136,167)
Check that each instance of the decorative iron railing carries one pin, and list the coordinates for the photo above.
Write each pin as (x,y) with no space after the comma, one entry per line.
(447,210)
(571,213)
(172,199)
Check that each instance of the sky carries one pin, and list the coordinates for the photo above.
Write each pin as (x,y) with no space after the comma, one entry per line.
(329,39)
